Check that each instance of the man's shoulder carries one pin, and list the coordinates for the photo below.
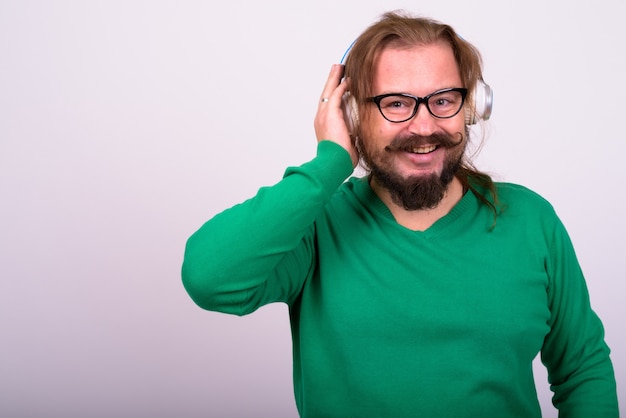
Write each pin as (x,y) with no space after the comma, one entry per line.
(515,189)
(354,195)
(512,195)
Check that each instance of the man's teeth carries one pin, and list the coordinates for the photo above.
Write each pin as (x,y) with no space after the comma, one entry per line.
(424,149)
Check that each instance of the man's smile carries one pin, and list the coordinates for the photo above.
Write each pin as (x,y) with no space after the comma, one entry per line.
(423,149)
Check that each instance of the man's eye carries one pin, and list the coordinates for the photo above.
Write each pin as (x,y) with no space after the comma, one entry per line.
(394,103)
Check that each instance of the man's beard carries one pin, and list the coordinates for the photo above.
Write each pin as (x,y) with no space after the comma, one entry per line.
(414,192)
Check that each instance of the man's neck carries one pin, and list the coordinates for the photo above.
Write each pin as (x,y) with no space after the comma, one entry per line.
(420,220)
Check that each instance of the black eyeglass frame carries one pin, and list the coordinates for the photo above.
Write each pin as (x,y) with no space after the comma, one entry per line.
(418,100)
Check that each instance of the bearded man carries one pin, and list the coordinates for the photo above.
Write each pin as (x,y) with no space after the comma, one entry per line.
(423,288)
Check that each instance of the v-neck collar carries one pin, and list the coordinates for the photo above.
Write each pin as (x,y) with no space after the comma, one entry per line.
(466,207)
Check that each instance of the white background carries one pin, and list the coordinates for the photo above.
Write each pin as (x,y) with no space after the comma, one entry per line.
(124,125)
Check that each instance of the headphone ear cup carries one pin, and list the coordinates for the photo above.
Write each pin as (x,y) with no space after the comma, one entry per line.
(482,104)
(350,112)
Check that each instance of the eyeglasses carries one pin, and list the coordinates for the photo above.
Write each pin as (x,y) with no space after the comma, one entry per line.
(400,107)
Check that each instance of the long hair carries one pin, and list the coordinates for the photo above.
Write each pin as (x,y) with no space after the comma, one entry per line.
(400,30)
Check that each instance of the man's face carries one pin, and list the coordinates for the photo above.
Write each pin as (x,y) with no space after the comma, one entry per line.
(417,159)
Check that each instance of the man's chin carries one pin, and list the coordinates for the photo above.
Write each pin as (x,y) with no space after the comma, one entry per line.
(406,168)
(417,175)
(417,192)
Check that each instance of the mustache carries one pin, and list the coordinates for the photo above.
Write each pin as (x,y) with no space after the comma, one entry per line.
(409,143)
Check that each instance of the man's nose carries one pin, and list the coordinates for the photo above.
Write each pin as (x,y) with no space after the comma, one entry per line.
(423,123)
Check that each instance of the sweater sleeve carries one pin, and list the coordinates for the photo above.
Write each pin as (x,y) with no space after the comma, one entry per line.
(574,352)
(262,250)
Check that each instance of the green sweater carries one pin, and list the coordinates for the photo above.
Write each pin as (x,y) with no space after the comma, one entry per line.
(389,322)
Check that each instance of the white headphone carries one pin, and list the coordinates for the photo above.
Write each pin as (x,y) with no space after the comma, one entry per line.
(482,103)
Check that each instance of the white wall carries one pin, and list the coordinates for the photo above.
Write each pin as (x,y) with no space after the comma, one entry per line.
(124,125)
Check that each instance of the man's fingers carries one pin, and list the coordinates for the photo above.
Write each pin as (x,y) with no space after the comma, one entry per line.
(333,81)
